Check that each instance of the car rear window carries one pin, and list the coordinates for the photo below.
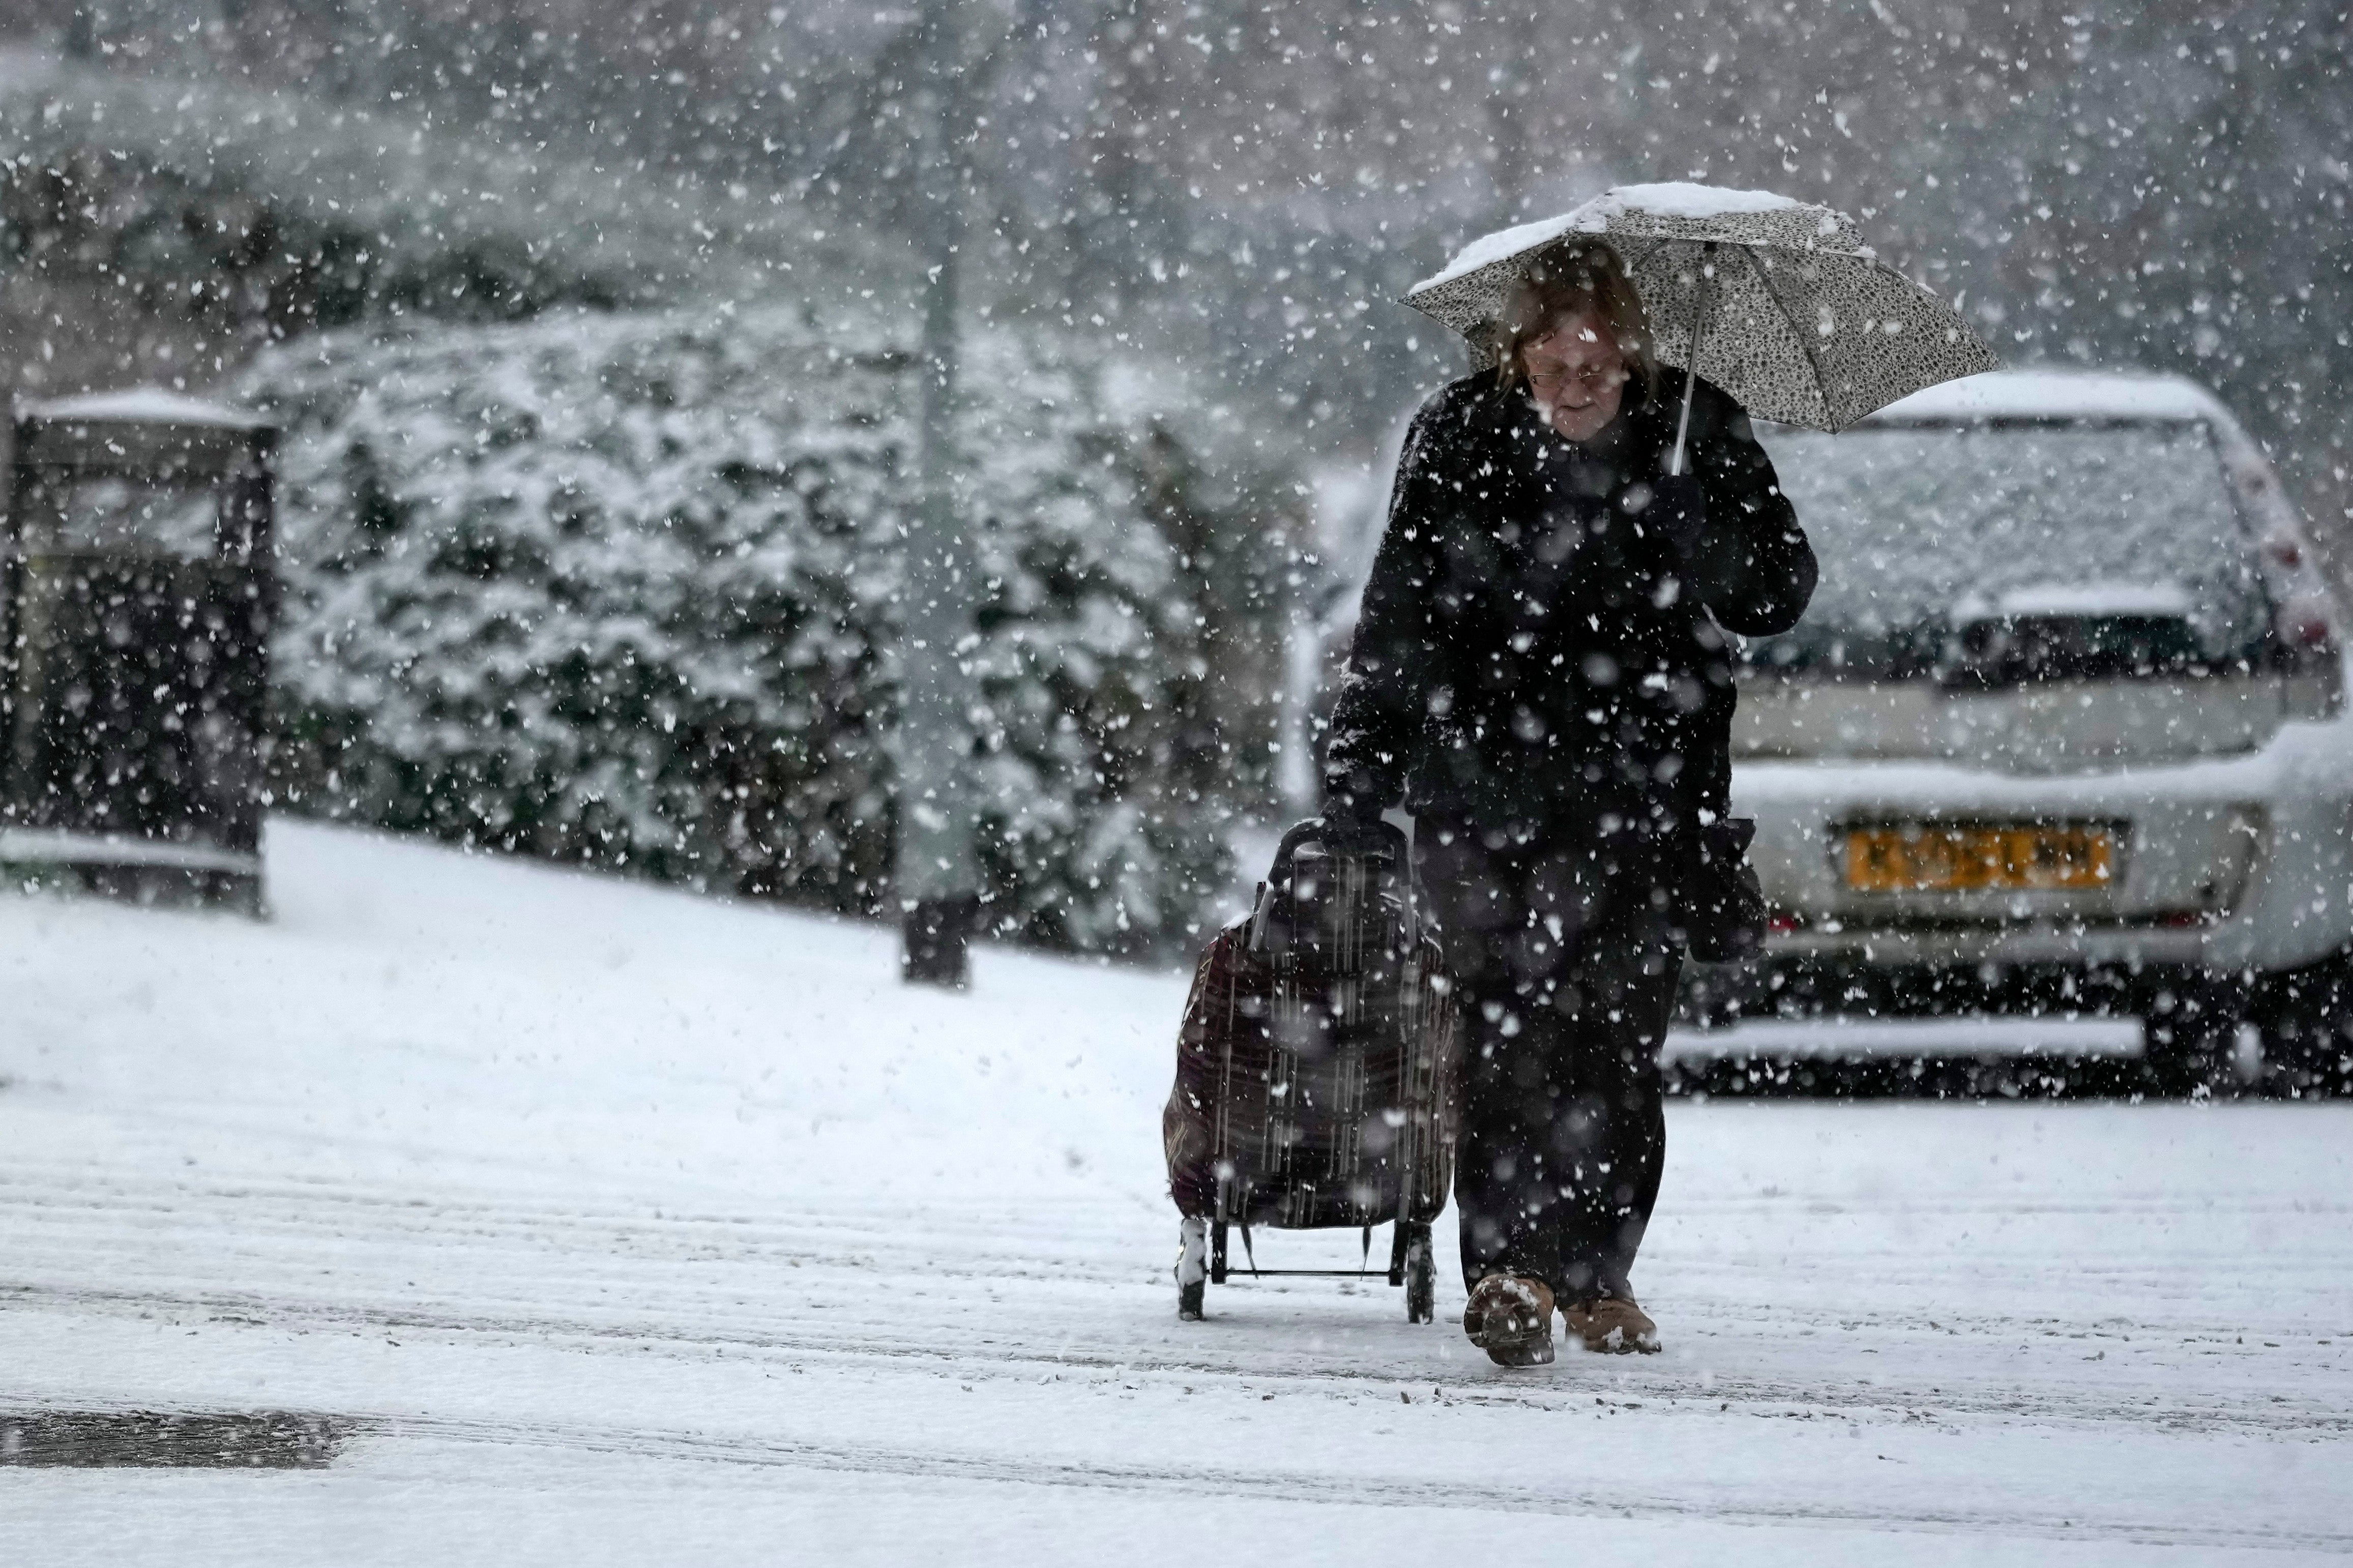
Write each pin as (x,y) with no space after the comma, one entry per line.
(1920,528)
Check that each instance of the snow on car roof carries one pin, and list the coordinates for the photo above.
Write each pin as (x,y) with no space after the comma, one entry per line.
(140,406)
(2055,395)
(1910,518)
(1674,198)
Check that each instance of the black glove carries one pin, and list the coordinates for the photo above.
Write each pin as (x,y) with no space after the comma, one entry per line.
(1677,510)
(1351,822)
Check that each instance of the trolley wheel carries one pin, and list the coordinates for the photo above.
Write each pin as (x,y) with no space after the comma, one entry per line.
(1421,1277)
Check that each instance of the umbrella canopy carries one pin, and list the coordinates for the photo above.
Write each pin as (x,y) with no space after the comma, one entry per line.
(1783,304)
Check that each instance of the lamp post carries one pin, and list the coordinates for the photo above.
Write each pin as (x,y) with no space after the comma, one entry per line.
(938,877)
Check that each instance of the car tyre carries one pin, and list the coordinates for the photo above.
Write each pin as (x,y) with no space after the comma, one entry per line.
(2306,1019)
(2191,1026)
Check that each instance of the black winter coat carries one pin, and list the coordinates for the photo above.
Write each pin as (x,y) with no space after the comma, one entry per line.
(1528,649)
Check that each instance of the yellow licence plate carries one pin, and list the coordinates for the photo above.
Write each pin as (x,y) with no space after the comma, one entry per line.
(1980,859)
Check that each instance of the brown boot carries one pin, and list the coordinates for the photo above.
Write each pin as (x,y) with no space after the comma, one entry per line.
(1510,1317)
(1612,1324)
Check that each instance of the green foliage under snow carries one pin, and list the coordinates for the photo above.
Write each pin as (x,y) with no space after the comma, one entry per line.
(619,589)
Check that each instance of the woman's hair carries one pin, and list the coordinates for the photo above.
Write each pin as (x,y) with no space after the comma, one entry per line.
(1572,276)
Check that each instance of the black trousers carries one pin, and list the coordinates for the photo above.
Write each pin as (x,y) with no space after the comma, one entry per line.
(1560,939)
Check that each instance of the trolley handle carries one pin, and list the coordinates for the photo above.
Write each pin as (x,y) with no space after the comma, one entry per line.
(1279,876)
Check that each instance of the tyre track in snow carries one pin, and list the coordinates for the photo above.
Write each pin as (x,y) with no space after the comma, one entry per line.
(1210,1482)
(2310,1417)
(1320,1487)
(694,1285)
(605,1274)
(834,1235)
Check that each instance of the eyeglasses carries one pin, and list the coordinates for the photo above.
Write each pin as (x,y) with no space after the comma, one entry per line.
(1593,377)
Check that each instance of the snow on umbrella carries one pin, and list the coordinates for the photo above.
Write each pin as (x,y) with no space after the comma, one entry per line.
(1778,302)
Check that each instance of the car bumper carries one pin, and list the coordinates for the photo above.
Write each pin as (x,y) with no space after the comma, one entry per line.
(2237,864)
(2081,947)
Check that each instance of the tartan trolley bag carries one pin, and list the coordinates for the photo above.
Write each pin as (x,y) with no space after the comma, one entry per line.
(1315,1082)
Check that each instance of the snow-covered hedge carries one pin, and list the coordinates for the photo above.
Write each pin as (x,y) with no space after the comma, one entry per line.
(619,589)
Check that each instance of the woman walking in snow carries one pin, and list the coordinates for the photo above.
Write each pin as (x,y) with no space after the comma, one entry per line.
(1541,673)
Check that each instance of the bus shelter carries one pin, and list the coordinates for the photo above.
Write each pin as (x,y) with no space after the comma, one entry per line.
(136,604)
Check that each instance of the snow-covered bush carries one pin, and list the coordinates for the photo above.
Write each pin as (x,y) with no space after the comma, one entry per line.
(619,589)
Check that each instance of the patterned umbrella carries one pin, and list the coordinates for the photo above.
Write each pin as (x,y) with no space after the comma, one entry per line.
(1778,302)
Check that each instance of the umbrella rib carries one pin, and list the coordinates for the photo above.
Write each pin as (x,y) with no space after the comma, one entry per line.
(1635,259)
(1821,388)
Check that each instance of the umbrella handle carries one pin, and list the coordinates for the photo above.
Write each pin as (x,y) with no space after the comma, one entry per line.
(1691,360)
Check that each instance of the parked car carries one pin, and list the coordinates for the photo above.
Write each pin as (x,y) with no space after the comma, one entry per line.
(2061,738)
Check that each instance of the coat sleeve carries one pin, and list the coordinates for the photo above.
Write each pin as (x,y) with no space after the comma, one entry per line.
(1753,567)
(1378,718)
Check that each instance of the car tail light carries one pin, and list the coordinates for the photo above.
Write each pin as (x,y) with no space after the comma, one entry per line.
(2311,659)
(1782,922)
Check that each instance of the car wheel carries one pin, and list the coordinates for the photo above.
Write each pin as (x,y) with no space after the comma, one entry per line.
(2192,1029)
(2306,1019)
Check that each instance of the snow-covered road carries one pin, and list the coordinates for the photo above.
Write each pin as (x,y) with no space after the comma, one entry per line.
(626,1226)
